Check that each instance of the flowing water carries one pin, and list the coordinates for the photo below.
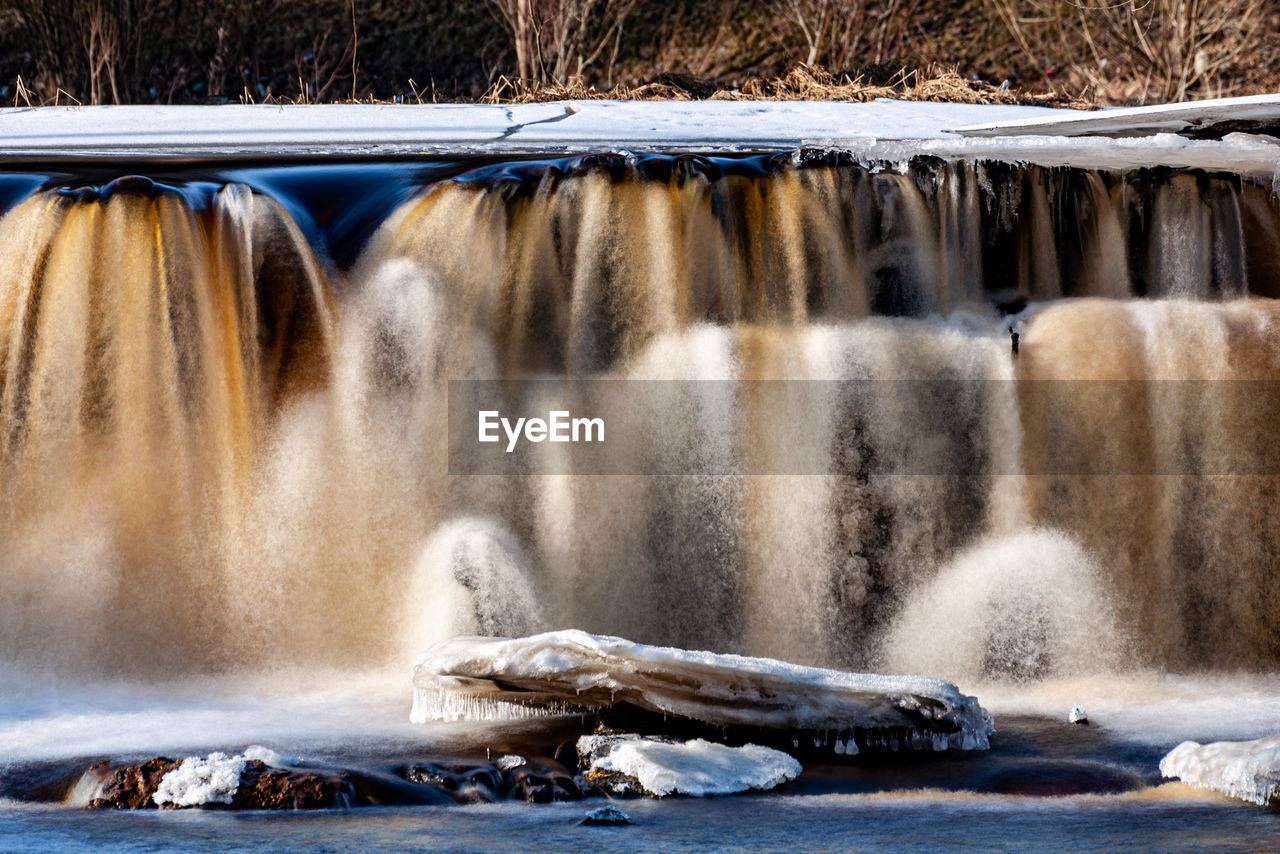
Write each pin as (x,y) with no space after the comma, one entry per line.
(234,453)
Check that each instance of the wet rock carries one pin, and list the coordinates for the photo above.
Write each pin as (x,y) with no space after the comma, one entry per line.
(465,784)
(262,787)
(132,786)
(606,816)
(42,782)
(541,781)
(265,788)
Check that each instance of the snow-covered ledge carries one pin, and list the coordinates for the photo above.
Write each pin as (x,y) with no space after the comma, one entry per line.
(572,672)
(1248,770)
(882,131)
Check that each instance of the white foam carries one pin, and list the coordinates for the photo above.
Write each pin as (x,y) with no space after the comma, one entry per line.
(697,768)
(1248,770)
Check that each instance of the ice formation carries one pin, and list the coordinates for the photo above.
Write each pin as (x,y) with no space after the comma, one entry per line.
(606,816)
(1248,770)
(574,672)
(212,779)
(697,768)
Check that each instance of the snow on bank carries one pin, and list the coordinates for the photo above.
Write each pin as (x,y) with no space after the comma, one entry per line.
(882,131)
(1248,770)
(571,672)
(696,768)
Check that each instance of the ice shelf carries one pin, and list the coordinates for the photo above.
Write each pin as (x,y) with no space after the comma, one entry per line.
(572,672)
(1248,770)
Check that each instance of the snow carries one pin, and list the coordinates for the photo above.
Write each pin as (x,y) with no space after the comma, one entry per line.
(696,768)
(197,781)
(1135,121)
(569,672)
(882,131)
(1248,770)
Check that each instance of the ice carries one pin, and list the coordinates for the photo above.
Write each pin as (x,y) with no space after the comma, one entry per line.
(1248,770)
(572,672)
(607,816)
(267,756)
(697,768)
(883,131)
(197,781)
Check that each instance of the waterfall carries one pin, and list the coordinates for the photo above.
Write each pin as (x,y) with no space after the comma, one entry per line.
(224,446)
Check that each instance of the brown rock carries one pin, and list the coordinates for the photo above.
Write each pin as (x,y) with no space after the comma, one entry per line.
(541,781)
(265,788)
(131,787)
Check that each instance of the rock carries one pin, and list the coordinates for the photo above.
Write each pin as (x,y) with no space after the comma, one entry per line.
(1077,715)
(467,784)
(129,787)
(541,781)
(606,816)
(265,788)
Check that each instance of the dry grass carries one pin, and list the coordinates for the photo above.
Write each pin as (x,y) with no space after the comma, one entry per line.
(802,83)
(392,51)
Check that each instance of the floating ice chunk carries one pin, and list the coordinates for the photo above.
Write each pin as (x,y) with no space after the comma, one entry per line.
(575,672)
(697,768)
(1248,770)
(209,780)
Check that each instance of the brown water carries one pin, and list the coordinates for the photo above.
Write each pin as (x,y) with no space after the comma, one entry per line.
(224,450)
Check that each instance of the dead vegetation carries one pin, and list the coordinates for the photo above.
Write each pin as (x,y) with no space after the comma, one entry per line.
(802,83)
(306,51)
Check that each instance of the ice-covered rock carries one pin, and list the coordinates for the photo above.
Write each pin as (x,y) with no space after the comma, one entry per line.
(1077,715)
(1248,770)
(697,768)
(606,816)
(574,672)
(509,762)
(212,779)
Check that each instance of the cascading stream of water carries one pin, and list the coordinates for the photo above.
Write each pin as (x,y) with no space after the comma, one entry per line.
(221,451)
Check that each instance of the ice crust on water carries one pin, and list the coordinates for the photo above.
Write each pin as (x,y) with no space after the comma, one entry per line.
(696,768)
(212,779)
(1248,770)
(571,672)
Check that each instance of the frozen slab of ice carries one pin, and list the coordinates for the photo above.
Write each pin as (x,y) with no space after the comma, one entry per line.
(572,672)
(1248,770)
(697,768)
